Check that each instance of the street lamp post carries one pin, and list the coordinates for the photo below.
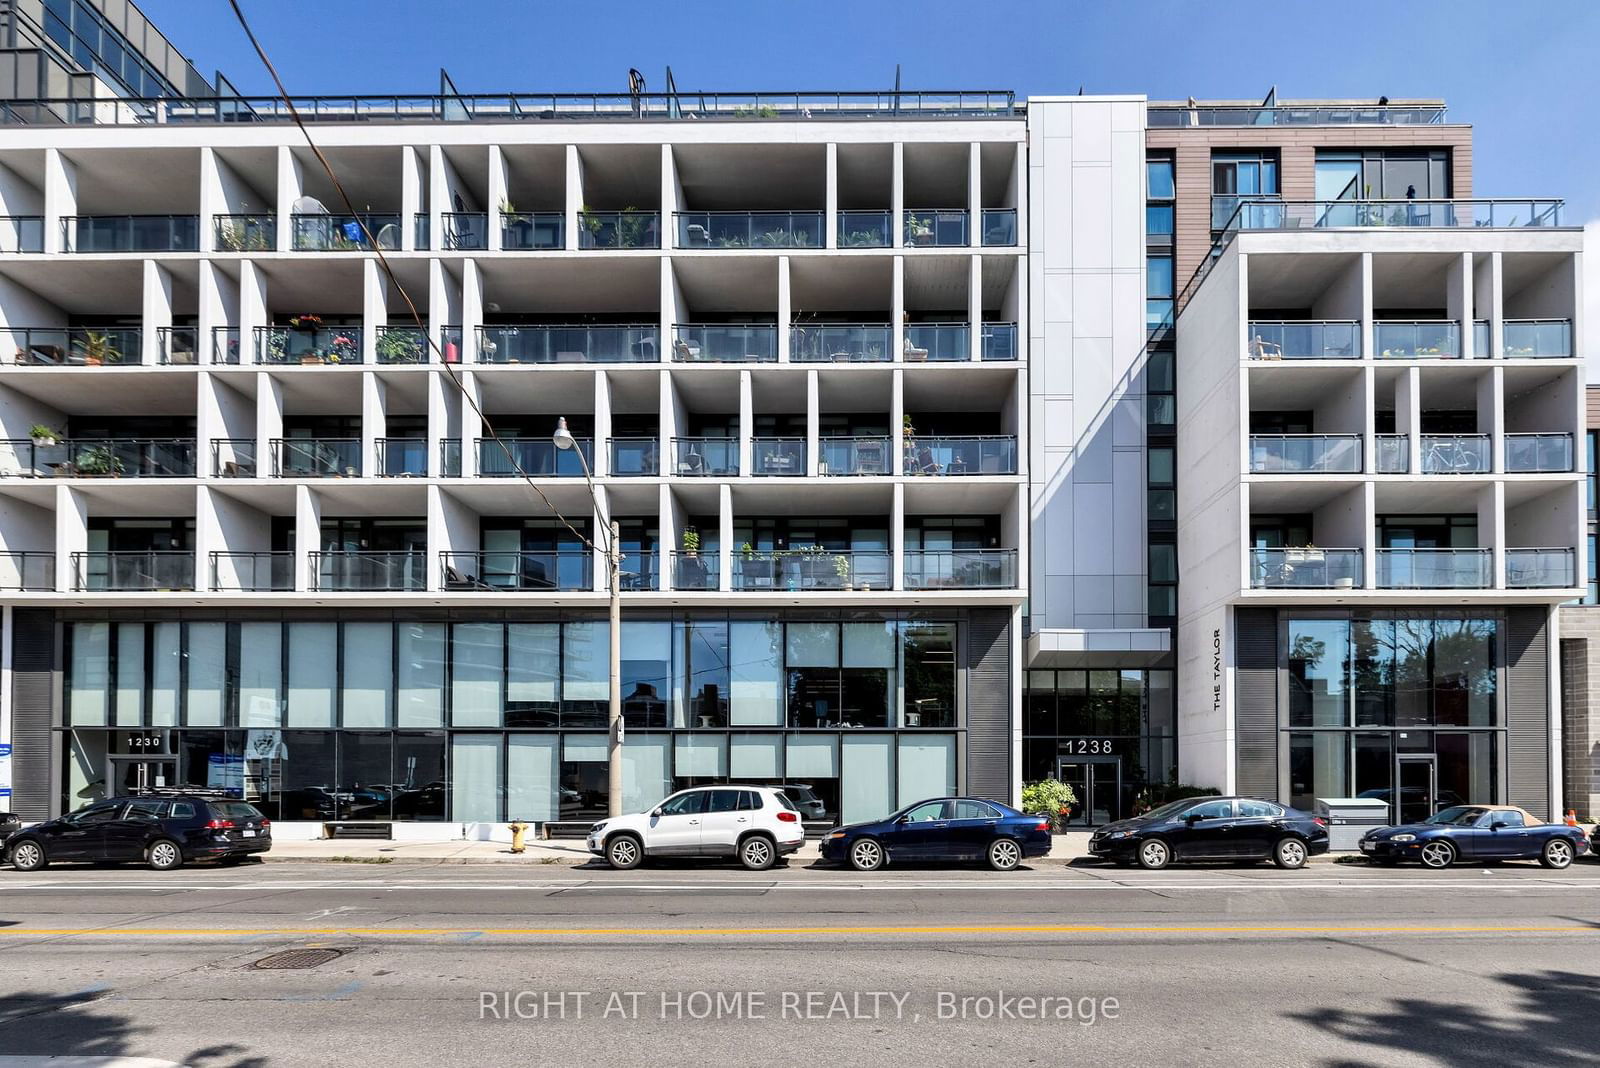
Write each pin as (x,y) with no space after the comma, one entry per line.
(613,549)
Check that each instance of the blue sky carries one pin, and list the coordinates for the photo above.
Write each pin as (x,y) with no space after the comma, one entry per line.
(1525,74)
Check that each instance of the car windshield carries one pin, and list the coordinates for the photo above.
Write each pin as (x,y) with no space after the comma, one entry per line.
(1457,816)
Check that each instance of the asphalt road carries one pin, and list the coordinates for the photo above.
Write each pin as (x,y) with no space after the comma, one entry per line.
(446,964)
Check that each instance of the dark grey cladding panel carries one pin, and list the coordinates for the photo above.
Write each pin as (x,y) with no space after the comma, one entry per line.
(1528,710)
(1255,656)
(988,662)
(33,656)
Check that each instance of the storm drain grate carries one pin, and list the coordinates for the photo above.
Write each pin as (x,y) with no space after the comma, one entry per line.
(298,958)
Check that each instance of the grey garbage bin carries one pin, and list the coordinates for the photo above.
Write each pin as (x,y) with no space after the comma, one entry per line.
(1349,818)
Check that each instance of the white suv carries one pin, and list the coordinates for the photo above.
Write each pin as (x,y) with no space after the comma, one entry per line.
(757,824)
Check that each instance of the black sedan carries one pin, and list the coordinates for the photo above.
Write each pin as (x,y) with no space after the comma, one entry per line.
(162,831)
(943,828)
(1213,828)
(1487,833)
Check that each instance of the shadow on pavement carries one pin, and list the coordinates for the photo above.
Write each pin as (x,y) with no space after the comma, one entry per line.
(85,1025)
(1545,1018)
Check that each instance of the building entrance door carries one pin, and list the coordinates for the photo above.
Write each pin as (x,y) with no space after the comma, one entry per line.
(1098,783)
(1416,789)
(137,774)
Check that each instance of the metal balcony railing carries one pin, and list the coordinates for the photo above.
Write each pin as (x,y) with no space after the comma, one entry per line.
(333,571)
(533,457)
(1530,569)
(861,454)
(841,343)
(179,344)
(998,341)
(696,570)
(1522,338)
(459,230)
(988,454)
(245,233)
(132,570)
(1456,454)
(1538,453)
(316,457)
(529,570)
(324,232)
(1417,339)
(813,569)
(619,229)
(960,569)
(865,229)
(308,345)
(225,346)
(1000,227)
(1164,115)
(704,456)
(639,569)
(402,457)
(1305,568)
(233,458)
(1321,454)
(725,342)
(21,233)
(130,233)
(784,457)
(77,346)
(27,570)
(252,572)
(1394,454)
(1427,569)
(603,343)
(749,229)
(635,457)
(99,458)
(936,227)
(524,230)
(1324,339)
(937,342)
(450,457)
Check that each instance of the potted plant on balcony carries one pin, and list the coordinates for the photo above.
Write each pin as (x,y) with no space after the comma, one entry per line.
(96,349)
(44,436)
(691,542)
(841,570)
(919,230)
(306,323)
(1050,799)
(98,462)
(397,346)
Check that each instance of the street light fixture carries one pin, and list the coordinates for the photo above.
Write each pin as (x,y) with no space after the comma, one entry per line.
(563,439)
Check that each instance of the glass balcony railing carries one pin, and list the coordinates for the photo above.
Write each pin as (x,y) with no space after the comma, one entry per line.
(1326,339)
(1522,338)
(450,457)
(635,457)
(1427,569)
(532,570)
(639,569)
(225,344)
(99,458)
(816,568)
(25,570)
(316,457)
(696,571)
(1538,453)
(857,455)
(335,571)
(1394,454)
(1163,115)
(998,341)
(21,233)
(725,343)
(1456,454)
(521,231)
(402,344)
(937,342)
(841,343)
(1530,569)
(460,230)
(749,229)
(619,229)
(1430,339)
(130,233)
(602,343)
(1268,213)
(132,570)
(1481,339)
(178,344)
(865,229)
(533,457)
(323,232)
(1320,454)
(936,227)
(1225,209)
(402,457)
(252,572)
(245,233)
(960,569)
(783,457)
(1306,568)
(705,456)
(308,344)
(1000,227)
(233,458)
(77,346)
(990,454)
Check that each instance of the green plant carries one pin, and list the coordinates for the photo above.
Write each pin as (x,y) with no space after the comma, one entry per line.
(98,460)
(862,239)
(762,112)
(47,435)
(1050,798)
(97,348)
(841,567)
(400,345)
(691,540)
(747,550)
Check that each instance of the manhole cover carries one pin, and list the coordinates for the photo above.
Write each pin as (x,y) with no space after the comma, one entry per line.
(298,958)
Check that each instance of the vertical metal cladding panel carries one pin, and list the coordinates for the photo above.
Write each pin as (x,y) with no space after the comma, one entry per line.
(1528,710)
(33,654)
(1255,653)
(989,705)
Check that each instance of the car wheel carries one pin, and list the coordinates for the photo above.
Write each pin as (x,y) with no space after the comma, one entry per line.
(624,852)
(866,855)
(757,852)
(1557,853)
(1289,853)
(28,856)
(164,855)
(1154,854)
(1437,854)
(1004,854)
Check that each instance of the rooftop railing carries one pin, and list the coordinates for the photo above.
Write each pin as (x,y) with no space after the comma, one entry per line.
(1163,115)
(514,107)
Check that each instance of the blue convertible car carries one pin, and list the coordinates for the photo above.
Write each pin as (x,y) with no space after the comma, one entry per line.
(1486,833)
(944,828)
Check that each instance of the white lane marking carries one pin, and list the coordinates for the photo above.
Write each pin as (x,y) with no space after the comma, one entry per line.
(1236,886)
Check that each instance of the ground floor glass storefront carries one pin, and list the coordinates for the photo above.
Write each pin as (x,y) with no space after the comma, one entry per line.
(1109,734)
(491,720)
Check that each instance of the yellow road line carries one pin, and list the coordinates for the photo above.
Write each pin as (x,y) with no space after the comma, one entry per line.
(683,932)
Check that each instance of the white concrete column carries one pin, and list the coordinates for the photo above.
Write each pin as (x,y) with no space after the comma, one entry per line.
(671,527)
(830,218)
(747,421)
(785,309)
(212,200)
(1367,351)
(211,309)
(471,309)
(671,202)
(307,536)
(669,426)
(208,538)
(1369,537)
(438,420)
(471,423)
(374,308)
(1497,304)
(72,533)
(602,424)
(725,538)
(897,421)
(374,421)
(670,308)
(1492,499)
(897,197)
(1492,403)
(269,421)
(813,419)
(291,180)
(574,194)
(1409,389)
(897,537)
(897,308)
(157,314)
(252,308)
(599,536)
(499,195)
(413,201)
(60,198)
(975,305)
(974,195)
(1369,441)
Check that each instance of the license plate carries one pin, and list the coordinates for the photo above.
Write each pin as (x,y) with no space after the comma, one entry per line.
(249,834)
(1367,847)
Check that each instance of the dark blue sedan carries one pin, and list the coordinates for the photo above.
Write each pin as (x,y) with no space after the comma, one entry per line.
(1486,833)
(944,828)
